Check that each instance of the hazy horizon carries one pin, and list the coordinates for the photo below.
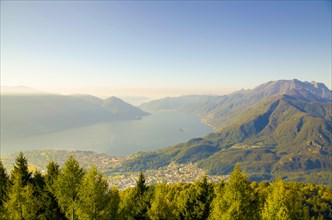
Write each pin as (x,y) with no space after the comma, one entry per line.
(104,92)
(158,49)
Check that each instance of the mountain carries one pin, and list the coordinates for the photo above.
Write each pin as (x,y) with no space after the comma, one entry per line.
(222,111)
(135,100)
(22,115)
(278,128)
(89,98)
(116,106)
(122,109)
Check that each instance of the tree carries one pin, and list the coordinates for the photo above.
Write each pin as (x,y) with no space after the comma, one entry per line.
(136,202)
(126,204)
(141,196)
(21,170)
(4,187)
(205,195)
(95,200)
(197,200)
(4,181)
(51,175)
(275,205)
(16,204)
(140,187)
(33,201)
(237,200)
(67,186)
(284,202)
(161,206)
(26,201)
(52,208)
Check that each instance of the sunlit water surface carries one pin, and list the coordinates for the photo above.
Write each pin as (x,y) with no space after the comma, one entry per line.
(160,129)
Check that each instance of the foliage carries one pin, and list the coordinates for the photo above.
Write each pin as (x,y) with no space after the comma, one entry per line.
(72,193)
(95,199)
(136,202)
(197,200)
(21,170)
(67,186)
(4,184)
(237,199)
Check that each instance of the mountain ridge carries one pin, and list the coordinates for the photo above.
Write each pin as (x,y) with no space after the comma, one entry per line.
(287,130)
(218,110)
(52,112)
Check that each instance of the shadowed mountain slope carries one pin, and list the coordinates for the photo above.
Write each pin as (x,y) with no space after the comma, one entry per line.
(27,114)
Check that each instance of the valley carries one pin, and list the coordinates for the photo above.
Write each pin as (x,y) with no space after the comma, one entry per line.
(280,128)
(30,122)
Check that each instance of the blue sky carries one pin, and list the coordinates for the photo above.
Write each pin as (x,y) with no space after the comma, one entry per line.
(163,48)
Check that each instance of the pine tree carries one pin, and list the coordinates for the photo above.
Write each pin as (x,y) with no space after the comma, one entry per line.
(204,194)
(197,199)
(26,201)
(21,170)
(4,187)
(33,207)
(51,175)
(4,181)
(136,202)
(161,206)
(284,201)
(95,200)
(52,208)
(127,203)
(16,203)
(140,187)
(237,200)
(67,186)
(275,205)
(17,206)
(142,198)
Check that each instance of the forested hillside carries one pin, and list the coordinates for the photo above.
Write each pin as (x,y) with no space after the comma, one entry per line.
(71,192)
(280,128)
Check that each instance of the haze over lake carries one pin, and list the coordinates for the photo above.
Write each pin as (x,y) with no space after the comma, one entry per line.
(160,129)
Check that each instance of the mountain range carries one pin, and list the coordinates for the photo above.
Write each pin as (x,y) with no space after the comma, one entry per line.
(26,114)
(280,128)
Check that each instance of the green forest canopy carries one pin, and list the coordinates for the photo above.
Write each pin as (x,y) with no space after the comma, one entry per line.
(71,192)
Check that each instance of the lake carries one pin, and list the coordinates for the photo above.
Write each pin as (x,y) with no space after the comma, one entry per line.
(158,130)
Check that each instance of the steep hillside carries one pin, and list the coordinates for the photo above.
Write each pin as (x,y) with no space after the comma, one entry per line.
(287,132)
(222,111)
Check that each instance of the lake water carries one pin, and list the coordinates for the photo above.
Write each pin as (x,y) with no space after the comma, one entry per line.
(158,130)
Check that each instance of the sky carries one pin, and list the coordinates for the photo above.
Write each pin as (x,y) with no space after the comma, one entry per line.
(163,48)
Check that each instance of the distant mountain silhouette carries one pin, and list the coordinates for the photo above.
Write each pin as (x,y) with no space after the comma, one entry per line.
(122,109)
(26,114)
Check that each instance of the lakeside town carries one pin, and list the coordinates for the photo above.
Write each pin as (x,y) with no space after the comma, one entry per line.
(173,173)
